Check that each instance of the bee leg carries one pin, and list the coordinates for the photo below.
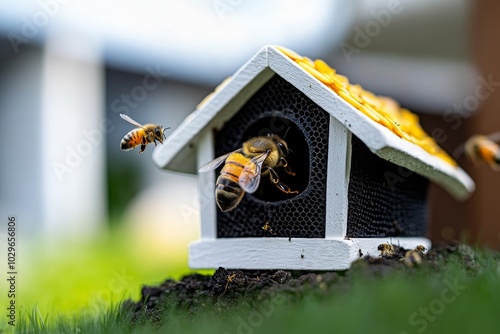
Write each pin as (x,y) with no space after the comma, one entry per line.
(273,175)
(287,168)
(281,186)
(289,171)
(284,188)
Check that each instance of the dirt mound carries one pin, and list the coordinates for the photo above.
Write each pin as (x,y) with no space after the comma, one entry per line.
(226,288)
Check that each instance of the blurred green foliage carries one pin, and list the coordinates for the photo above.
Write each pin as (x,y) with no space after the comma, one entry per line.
(63,278)
(122,185)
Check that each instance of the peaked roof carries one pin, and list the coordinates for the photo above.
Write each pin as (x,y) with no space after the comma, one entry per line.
(387,130)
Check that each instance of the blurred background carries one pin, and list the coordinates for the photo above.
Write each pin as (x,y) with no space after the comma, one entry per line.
(68,68)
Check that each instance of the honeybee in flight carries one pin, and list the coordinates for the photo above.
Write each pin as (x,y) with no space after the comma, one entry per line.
(142,135)
(485,149)
(244,167)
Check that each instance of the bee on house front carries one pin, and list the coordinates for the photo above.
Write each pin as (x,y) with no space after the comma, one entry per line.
(485,149)
(420,249)
(243,169)
(230,278)
(267,228)
(142,135)
(386,250)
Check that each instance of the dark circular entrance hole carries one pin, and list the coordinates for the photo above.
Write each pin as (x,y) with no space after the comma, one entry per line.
(298,159)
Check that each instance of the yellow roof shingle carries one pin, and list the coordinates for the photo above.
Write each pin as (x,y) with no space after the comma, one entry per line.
(380,109)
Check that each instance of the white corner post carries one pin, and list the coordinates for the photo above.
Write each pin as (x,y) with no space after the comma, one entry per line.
(198,257)
(339,164)
(206,188)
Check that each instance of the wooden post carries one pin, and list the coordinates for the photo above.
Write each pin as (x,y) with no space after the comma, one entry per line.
(484,222)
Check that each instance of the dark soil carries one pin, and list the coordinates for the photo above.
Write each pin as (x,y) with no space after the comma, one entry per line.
(227,288)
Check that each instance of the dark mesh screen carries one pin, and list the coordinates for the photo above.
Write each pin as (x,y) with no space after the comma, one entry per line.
(384,199)
(280,108)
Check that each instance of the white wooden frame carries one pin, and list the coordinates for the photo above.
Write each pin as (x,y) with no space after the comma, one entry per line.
(179,148)
(339,165)
(285,253)
(206,190)
(334,252)
(193,138)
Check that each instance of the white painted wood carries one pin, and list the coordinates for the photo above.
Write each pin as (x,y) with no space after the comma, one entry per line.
(206,188)
(453,179)
(174,155)
(339,163)
(378,138)
(180,145)
(294,254)
(334,252)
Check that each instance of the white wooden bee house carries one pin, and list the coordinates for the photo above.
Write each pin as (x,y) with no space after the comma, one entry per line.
(362,167)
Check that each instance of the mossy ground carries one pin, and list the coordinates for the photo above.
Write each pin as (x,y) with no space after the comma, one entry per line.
(448,286)
(455,288)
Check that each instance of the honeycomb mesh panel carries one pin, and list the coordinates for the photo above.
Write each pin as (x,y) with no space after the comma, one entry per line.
(302,215)
(384,199)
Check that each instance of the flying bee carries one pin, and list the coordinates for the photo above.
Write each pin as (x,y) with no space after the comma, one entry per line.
(485,149)
(244,167)
(142,135)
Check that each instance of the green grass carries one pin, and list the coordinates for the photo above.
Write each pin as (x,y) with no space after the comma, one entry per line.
(92,274)
(79,280)
(402,301)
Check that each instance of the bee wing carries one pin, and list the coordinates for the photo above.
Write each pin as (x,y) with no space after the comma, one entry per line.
(130,120)
(249,179)
(211,165)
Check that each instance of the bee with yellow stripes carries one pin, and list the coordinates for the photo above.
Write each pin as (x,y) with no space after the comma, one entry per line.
(485,149)
(142,135)
(244,167)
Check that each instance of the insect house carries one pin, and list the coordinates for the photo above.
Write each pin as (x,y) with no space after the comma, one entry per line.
(299,169)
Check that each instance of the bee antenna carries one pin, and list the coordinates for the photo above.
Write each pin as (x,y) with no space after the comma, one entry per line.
(286,132)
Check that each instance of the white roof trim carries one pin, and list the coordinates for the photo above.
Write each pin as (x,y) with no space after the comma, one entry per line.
(227,101)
